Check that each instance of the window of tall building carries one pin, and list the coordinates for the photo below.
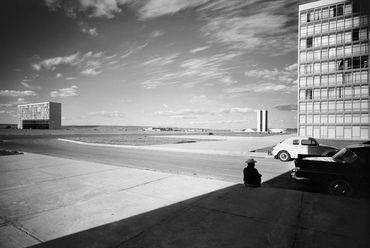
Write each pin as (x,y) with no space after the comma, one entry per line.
(348,105)
(324,93)
(339,92)
(309,107)
(325,12)
(308,94)
(355,34)
(364,48)
(331,118)
(331,106)
(310,30)
(324,79)
(332,79)
(364,61)
(348,22)
(364,118)
(356,49)
(309,42)
(309,16)
(316,107)
(340,23)
(324,40)
(356,21)
(356,105)
(325,66)
(316,81)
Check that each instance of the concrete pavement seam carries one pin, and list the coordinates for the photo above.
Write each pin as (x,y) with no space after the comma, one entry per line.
(30,216)
(20,228)
(48,180)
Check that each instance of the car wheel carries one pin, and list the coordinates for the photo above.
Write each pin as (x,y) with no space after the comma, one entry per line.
(340,188)
(284,156)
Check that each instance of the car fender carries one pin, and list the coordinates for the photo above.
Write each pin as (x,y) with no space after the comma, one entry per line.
(330,152)
(292,155)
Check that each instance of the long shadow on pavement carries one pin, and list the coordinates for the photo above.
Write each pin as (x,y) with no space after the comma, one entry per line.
(237,216)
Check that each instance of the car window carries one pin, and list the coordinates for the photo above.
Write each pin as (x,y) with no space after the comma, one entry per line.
(313,142)
(306,142)
(309,142)
(344,156)
(296,142)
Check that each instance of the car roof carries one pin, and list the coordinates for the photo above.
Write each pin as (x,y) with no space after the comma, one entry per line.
(299,137)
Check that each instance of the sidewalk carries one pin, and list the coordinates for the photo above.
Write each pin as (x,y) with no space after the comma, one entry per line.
(54,202)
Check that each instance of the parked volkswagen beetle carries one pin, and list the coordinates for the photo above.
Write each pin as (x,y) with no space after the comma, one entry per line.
(289,148)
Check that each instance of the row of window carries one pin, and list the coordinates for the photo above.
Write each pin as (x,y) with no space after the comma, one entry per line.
(44,105)
(335,65)
(334,106)
(33,117)
(335,52)
(32,110)
(334,119)
(334,39)
(335,79)
(326,12)
(334,92)
(333,132)
(334,25)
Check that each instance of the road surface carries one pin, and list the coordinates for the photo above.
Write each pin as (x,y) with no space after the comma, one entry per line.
(227,168)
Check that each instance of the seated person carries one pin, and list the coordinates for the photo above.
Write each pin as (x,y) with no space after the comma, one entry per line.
(251,175)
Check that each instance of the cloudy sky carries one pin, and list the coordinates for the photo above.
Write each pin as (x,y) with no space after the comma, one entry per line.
(185,63)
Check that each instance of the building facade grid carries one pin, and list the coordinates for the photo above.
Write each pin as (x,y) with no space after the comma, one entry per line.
(45,115)
(333,92)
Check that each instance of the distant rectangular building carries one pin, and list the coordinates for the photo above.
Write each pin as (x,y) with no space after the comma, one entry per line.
(262,121)
(44,115)
(333,77)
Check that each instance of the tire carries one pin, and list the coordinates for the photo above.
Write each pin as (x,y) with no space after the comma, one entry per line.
(284,156)
(340,187)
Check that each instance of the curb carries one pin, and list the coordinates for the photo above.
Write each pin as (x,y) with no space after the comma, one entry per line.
(217,152)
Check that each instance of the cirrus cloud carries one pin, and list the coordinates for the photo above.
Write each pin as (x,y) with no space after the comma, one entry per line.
(65,92)
(15,93)
(110,114)
(287,107)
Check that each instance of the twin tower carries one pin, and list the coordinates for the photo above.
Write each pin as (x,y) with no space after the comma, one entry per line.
(262,120)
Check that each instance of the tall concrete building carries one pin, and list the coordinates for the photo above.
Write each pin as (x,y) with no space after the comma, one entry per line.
(333,93)
(44,115)
(262,121)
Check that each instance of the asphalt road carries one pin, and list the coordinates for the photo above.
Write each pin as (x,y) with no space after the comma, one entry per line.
(227,168)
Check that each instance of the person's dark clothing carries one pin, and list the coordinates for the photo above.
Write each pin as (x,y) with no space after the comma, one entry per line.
(251,176)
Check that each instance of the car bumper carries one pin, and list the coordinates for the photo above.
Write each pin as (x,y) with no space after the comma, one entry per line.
(293,174)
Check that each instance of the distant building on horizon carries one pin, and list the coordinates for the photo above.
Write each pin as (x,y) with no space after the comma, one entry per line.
(262,120)
(44,115)
(333,76)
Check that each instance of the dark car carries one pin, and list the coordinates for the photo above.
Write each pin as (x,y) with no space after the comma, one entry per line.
(344,174)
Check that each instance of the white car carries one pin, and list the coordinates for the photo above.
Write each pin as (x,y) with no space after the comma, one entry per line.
(289,148)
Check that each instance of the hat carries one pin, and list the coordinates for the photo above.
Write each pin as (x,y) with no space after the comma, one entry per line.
(251,160)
